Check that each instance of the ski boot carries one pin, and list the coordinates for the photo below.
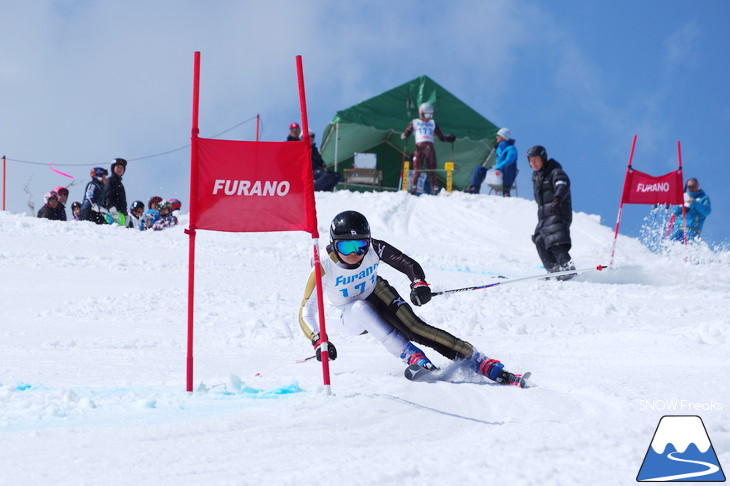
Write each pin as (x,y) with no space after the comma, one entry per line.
(507,378)
(485,366)
(412,355)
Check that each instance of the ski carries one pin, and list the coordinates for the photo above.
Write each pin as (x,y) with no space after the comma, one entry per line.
(416,373)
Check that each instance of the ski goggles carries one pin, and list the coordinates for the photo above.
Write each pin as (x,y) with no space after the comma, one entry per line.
(348,247)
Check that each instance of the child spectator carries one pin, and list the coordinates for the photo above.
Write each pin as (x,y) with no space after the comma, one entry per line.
(175,205)
(48,210)
(76,210)
(166,218)
(154,203)
(62,198)
(134,218)
(149,218)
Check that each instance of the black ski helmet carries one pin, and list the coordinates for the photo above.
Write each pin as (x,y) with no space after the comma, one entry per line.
(136,205)
(537,150)
(349,225)
(119,161)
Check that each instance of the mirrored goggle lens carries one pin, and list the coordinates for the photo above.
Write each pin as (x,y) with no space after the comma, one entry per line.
(348,247)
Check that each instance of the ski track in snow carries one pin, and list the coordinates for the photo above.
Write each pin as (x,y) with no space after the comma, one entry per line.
(93,342)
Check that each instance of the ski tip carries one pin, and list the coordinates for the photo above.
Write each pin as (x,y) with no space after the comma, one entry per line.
(414,372)
(524,378)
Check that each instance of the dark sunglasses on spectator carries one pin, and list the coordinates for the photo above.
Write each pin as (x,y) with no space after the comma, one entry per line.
(691,187)
(348,247)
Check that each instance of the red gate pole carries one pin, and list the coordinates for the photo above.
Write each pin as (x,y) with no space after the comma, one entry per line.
(193,219)
(5,161)
(684,210)
(623,198)
(312,215)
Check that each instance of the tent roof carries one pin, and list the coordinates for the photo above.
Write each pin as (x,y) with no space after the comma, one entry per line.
(395,108)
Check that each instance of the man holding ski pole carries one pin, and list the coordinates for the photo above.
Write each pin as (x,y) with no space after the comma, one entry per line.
(358,301)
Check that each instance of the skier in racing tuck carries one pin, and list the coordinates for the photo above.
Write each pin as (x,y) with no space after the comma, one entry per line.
(357,300)
(425,129)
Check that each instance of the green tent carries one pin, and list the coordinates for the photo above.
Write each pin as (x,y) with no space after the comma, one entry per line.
(375,126)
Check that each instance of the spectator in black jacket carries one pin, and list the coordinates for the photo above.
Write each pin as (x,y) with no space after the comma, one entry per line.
(62,198)
(48,210)
(554,212)
(323,179)
(294,132)
(114,194)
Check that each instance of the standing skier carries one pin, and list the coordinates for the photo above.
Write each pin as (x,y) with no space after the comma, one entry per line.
(551,186)
(357,300)
(425,129)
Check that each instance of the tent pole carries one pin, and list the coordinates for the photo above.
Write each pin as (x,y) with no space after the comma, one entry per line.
(337,144)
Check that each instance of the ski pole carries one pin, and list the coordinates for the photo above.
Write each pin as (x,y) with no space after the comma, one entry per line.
(521,279)
(286,364)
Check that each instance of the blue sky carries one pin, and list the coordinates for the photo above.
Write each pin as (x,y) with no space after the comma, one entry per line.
(85,81)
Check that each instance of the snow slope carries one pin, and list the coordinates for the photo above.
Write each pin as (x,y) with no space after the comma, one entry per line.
(93,344)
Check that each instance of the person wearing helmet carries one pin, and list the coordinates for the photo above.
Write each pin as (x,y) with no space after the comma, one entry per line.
(149,218)
(424,157)
(175,204)
(505,165)
(62,198)
(294,132)
(48,211)
(696,209)
(115,196)
(551,186)
(358,301)
(76,211)
(134,218)
(154,203)
(92,207)
(166,219)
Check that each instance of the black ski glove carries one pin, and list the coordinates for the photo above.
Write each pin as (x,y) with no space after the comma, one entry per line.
(555,206)
(450,138)
(331,350)
(420,293)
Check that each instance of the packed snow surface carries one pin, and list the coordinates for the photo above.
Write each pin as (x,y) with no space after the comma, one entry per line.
(93,353)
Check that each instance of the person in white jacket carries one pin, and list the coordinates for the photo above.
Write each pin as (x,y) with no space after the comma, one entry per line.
(358,301)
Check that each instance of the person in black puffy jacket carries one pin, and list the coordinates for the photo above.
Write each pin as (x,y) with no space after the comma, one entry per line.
(551,186)
(115,195)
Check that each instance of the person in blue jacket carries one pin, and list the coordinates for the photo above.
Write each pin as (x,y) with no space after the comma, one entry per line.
(697,208)
(506,164)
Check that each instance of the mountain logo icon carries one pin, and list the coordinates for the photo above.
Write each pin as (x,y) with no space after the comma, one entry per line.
(681,451)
